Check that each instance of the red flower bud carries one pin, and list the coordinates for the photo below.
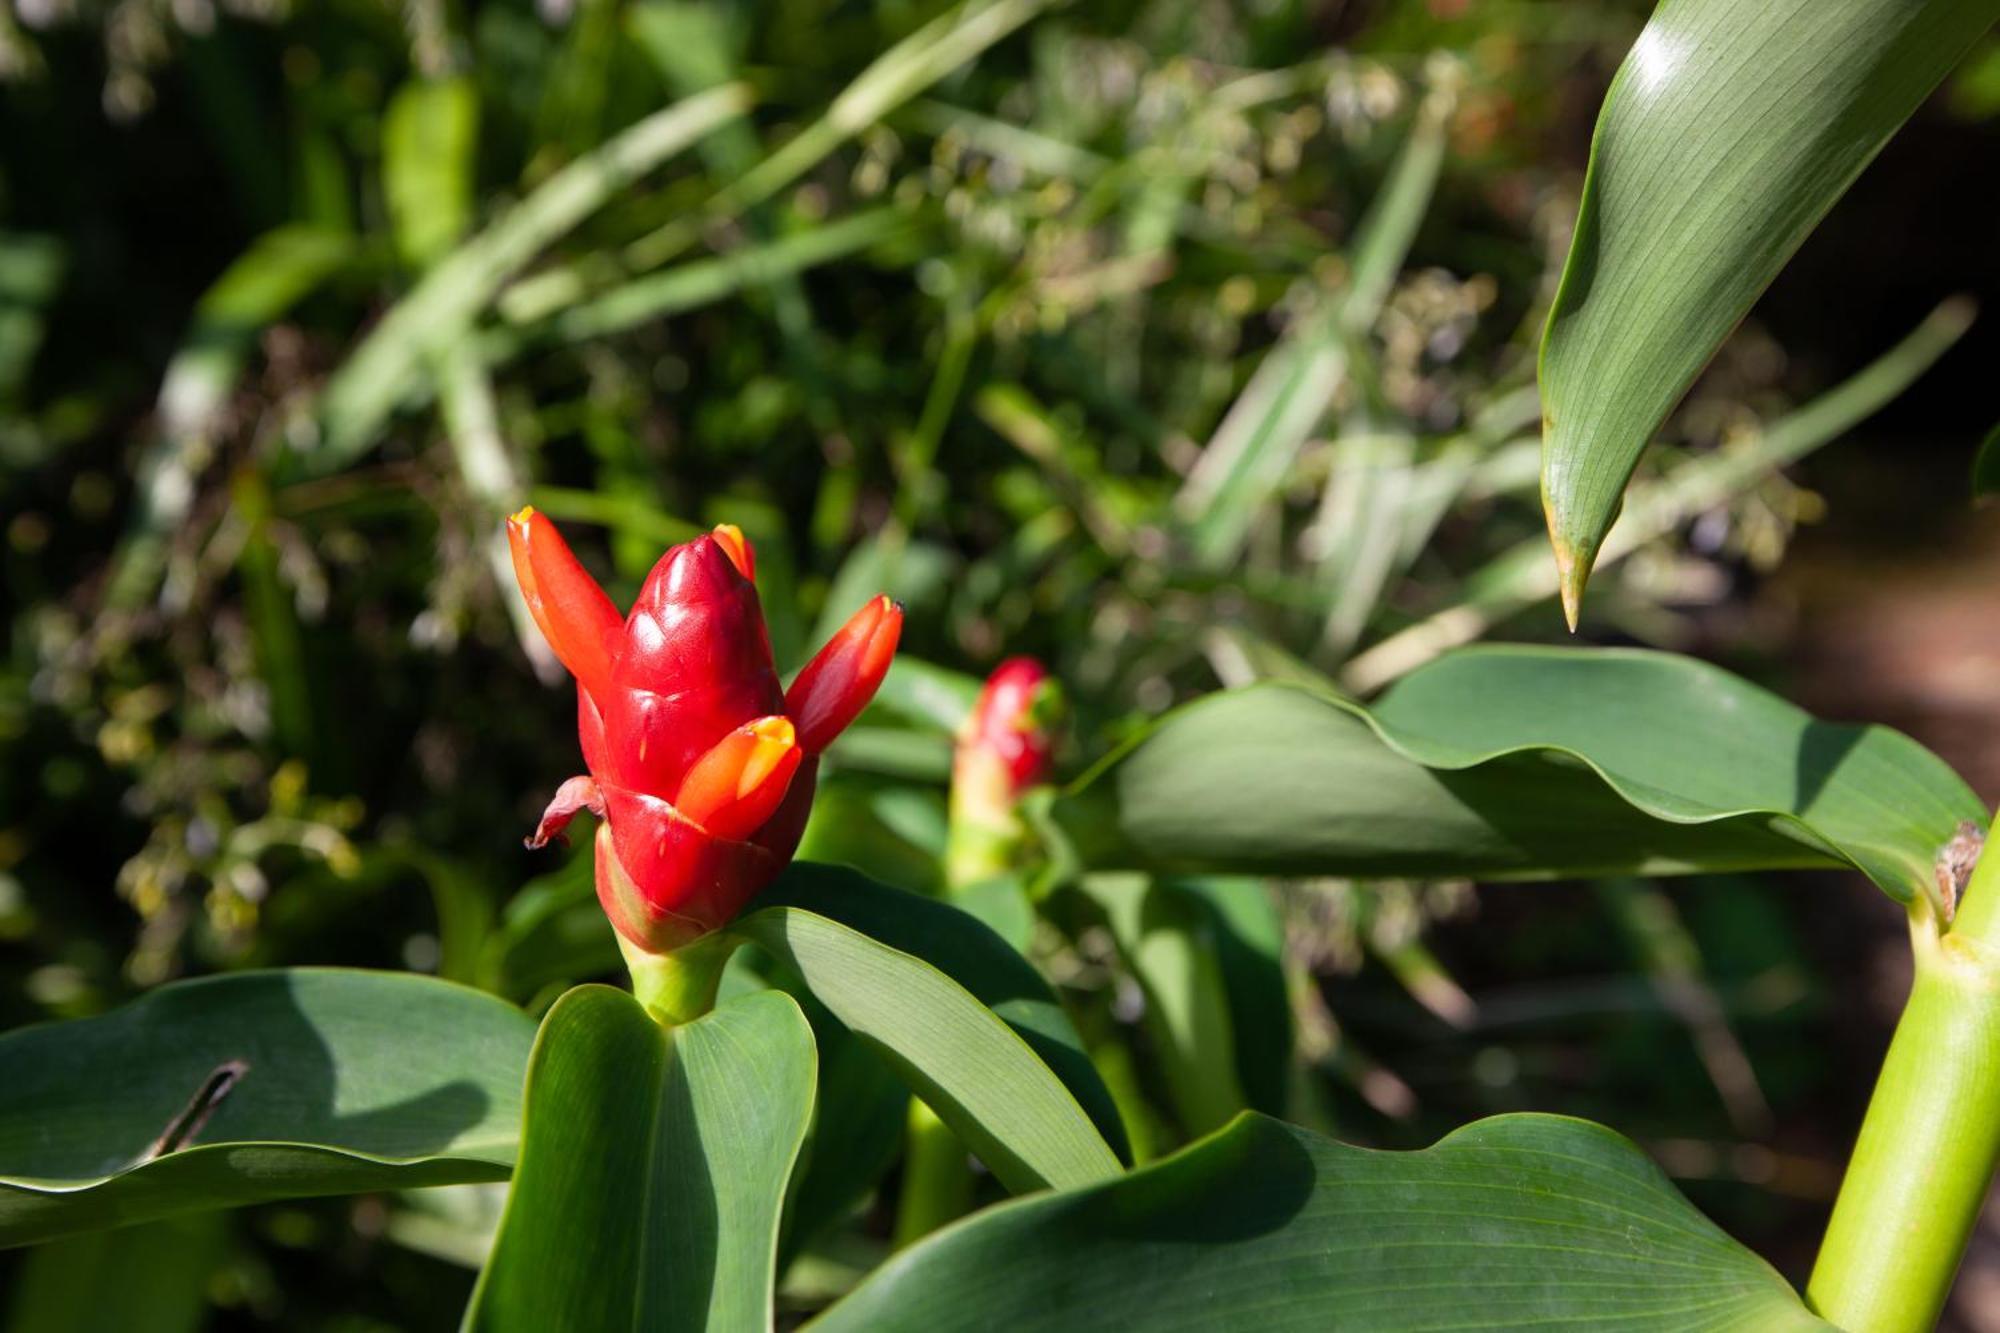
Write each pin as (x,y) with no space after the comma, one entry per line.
(1012,721)
(700,767)
(1004,748)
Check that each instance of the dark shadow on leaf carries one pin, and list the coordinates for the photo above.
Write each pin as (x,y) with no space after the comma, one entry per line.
(1822,749)
(119,1082)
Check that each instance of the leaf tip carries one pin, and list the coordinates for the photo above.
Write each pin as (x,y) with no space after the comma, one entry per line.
(1573,564)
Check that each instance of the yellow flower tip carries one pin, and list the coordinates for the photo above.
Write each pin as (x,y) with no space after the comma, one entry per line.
(522,515)
(737,547)
(776,729)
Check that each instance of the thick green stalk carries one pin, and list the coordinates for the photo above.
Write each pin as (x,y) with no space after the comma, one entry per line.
(680,986)
(1928,1146)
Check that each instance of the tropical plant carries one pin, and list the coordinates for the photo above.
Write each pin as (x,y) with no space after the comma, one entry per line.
(677,1153)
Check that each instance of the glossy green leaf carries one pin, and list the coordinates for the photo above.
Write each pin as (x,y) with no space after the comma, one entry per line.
(273,1085)
(667,1216)
(1521,763)
(1523,1221)
(1728,132)
(962,1017)
(1986,466)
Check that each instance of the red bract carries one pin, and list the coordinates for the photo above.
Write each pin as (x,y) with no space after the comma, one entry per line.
(701,766)
(1011,722)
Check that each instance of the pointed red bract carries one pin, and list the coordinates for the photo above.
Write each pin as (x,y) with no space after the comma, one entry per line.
(581,624)
(833,688)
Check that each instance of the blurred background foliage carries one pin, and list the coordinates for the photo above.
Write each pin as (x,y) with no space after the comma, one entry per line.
(1178,343)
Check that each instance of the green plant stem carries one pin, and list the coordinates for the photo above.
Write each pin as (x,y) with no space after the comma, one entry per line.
(937,1179)
(679,987)
(1928,1146)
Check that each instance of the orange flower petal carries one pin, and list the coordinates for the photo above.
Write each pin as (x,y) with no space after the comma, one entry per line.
(735,787)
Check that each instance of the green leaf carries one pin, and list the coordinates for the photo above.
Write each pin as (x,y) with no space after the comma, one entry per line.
(1523,575)
(429,139)
(1520,763)
(1728,132)
(1523,1221)
(1163,940)
(1247,932)
(1986,466)
(343,1081)
(144,1279)
(666,1215)
(963,1018)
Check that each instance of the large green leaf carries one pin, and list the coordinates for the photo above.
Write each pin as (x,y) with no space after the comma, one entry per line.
(254,1086)
(653,1169)
(1729,131)
(960,1015)
(1522,1221)
(1521,763)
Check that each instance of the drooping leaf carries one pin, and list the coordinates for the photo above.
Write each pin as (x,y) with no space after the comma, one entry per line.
(1523,575)
(959,1014)
(666,1215)
(1522,1221)
(1521,763)
(1728,132)
(254,1086)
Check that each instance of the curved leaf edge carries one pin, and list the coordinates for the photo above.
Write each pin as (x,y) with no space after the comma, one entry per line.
(1113,1163)
(1251,1122)
(1901,891)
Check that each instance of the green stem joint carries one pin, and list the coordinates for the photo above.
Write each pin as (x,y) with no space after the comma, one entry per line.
(1931,1139)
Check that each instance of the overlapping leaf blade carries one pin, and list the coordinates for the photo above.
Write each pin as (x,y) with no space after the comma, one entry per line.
(960,1015)
(1729,131)
(666,1215)
(342,1081)
(1521,763)
(1521,1221)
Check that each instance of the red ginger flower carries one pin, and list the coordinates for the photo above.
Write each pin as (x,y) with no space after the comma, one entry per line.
(701,766)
